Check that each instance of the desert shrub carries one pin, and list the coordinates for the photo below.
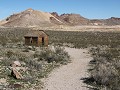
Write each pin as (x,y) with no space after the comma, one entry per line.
(38,62)
(34,69)
(53,54)
(76,38)
(33,64)
(3,40)
(105,67)
(84,39)
(9,53)
(29,60)
(12,35)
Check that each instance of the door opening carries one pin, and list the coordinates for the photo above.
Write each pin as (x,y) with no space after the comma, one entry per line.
(31,41)
(42,40)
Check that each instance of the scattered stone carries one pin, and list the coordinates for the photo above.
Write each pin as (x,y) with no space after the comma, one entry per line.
(15,70)
(16,63)
(15,86)
(15,73)
(30,47)
(2,81)
(1,58)
(35,59)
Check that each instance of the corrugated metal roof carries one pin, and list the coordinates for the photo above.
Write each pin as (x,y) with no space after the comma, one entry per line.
(35,33)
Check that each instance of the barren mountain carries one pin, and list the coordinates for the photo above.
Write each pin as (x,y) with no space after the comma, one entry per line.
(71,19)
(33,18)
(110,21)
(30,17)
(74,19)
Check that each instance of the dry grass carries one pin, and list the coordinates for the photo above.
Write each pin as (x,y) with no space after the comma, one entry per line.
(38,61)
(104,68)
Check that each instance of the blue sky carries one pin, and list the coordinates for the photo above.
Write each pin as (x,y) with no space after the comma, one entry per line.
(92,9)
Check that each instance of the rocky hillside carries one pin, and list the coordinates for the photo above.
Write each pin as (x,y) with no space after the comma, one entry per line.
(33,18)
(30,17)
(110,21)
(71,19)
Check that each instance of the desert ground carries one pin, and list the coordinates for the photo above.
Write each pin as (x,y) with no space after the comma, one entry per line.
(80,28)
(103,58)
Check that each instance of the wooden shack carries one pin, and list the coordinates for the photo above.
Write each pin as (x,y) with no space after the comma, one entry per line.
(36,38)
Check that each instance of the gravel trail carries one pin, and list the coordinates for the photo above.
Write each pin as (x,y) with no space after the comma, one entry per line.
(67,77)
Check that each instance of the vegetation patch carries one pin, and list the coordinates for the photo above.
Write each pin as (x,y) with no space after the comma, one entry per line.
(104,68)
(36,63)
(104,47)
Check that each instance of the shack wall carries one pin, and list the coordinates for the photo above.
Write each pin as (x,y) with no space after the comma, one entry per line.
(36,39)
(27,40)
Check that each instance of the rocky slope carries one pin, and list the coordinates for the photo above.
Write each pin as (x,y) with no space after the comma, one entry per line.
(109,21)
(71,19)
(30,17)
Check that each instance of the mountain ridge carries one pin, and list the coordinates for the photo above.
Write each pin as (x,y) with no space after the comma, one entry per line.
(35,18)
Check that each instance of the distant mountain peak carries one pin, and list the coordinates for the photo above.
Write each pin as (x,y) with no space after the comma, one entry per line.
(29,9)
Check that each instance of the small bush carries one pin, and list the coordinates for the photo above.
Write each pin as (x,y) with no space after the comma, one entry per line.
(51,54)
(105,67)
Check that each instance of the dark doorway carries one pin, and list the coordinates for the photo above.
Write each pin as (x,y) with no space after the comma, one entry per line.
(31,41)
(42,40)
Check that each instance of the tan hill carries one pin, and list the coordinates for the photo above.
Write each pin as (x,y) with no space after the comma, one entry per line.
(74,19)
(30,17)
(3,22)
(34,18)
(71,19)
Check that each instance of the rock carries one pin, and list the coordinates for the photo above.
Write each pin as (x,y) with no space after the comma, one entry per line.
(15,70)
(15,73)
(35,59)
(1,58)
(2,81)
(21,68)
(16,63)
(30,47)
(15,86)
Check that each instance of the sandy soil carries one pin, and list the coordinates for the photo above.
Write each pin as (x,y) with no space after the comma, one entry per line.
(67,77)
(81,28)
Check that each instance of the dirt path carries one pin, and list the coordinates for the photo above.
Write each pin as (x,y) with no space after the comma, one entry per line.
(67,77)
